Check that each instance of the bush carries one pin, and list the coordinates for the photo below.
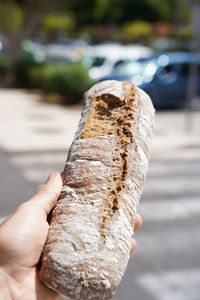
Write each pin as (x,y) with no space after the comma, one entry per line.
(5,67)
(67,80)
(22,70)
(16,73)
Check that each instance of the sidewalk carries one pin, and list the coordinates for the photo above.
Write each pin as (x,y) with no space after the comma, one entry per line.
(30,125)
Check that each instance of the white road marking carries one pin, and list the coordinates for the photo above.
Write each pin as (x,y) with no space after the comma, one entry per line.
(36,167)
(169,209)
(30,159)
(174,185)
(167,242)
(38,175)
(174,284)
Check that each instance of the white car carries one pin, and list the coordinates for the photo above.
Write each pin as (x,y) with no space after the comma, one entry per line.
(36,48)
(104,57)
(70,50)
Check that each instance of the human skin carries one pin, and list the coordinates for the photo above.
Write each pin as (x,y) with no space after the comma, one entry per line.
(22,237)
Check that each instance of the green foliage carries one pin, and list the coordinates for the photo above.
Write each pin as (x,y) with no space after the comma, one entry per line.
(120,11)
(11,16)
(22,70)
(185,34)
(48,19)
(54,24)
(4,63)
(67,80)
(161,10)
(5,66)
(137,30)
(185,15)
(100,8)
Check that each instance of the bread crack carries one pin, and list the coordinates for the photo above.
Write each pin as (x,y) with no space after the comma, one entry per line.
(111,115)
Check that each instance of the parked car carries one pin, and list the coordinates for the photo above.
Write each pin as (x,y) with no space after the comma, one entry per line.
(165,77)
(36,48)
(64,49)
(103,57)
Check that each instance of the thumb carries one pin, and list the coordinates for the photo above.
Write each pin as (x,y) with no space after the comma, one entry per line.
(47,196)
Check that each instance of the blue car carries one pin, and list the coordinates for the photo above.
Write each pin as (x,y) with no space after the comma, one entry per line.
(165,77)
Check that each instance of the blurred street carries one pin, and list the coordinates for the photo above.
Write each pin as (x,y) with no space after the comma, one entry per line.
(34,138)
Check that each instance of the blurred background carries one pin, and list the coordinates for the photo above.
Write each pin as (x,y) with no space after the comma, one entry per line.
(50,53)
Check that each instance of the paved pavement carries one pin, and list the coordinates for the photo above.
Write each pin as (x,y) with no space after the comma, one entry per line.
(34,138)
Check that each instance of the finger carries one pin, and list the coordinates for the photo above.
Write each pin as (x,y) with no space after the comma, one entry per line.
(133,247)
(47,196)
(138,222)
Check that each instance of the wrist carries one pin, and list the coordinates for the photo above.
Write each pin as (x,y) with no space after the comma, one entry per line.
(4,286)
(9,287)
(16,289)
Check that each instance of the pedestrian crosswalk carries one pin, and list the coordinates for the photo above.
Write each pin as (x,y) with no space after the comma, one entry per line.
(172,187)
(171,191)
(36,166)
(169,210)
(174,284)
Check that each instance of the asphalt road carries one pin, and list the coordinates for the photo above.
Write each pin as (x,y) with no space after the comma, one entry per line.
(166,263)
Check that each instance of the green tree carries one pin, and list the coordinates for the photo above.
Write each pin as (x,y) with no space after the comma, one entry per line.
(20,19)
(120,11)
(137,30)
(58,24)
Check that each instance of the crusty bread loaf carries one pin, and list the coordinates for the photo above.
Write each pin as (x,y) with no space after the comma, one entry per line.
(90,236)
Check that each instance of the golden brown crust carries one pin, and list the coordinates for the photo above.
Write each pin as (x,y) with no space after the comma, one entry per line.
(90,235)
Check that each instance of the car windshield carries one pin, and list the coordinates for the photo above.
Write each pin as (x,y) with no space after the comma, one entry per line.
(140,67)
(128,68)
(98,61)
